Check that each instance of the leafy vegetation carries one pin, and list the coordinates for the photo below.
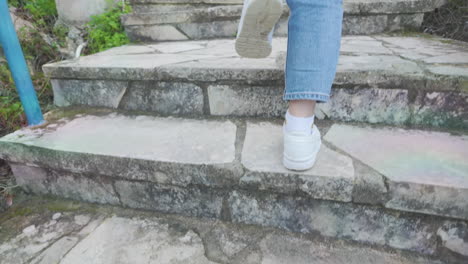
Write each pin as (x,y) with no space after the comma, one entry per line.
(105,31)
(39,47)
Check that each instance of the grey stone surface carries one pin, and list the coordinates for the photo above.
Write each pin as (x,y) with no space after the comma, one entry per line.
(329,219)
(426,171)
(85,92)
(64,184)
(373,71)
(218,29)
(222,12)
(154,33)
(184,201)
(124,240)
(369,185)
(216,20)
(116,235)
(56,251)
(331,178)
(246,101)
(285,249)
(179,140)
(167,159)
(454,237)
(441,108)
(367,105)
(80,12)
(23,248)
(389,7)
(164,98)
(162,150)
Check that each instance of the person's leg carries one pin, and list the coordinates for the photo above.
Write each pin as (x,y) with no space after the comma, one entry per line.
(314,35)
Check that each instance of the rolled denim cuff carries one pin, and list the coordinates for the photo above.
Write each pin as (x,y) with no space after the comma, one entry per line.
(319,97)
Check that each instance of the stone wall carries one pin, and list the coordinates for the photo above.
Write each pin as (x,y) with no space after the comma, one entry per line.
(72,12)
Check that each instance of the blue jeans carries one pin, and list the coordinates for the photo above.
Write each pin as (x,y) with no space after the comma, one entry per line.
(314,36)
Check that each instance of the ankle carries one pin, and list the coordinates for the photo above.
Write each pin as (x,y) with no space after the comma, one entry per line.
(299,124)
(302,108)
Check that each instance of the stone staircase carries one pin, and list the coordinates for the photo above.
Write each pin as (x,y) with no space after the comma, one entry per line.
(190,128)
(161,20)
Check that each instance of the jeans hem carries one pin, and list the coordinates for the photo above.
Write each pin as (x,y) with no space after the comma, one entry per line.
(306,96)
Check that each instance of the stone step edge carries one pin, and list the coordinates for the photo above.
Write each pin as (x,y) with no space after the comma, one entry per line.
(230,12)
(379,79)
(366,225)
(369,187)
(364,7)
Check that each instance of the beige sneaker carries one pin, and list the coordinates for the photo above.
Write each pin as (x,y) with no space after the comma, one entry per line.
(300,149)
(255,32)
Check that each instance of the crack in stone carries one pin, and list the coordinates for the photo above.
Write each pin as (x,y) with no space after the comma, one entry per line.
(122,95)
(420,64)
(71,233)
(80,240)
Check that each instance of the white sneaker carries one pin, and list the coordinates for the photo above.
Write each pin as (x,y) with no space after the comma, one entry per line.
(300,149)
(255,32)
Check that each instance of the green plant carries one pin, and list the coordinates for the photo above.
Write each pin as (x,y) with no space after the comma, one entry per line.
(60,33)
(106,31)
(11,113)
(42,12)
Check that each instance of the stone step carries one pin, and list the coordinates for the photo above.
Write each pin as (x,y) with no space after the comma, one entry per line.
(91,234)
(381,79)
(163,20)
(373,185)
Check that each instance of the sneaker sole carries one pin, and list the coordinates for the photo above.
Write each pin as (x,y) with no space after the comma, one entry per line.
(300,165)
(259,20)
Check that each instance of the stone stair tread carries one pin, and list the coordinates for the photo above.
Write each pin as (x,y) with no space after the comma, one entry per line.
(421,167)
(213,153)
(262,154)
(369,61)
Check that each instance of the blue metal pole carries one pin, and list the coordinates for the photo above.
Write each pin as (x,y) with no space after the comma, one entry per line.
(18,67)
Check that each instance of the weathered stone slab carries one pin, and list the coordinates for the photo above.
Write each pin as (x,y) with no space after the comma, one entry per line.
(154,33)
(56,251)
(210,14)
(376,62)
(280,250)
(195,77)
(163,97)
(162,150)
(246,101)
(443,109)
(369,185)
(219,19)
(191,201)
(367,105)
(124,240)
(390,7)
(64,184)
(37,239)
(454,237)
(364,224)
(91,93)
(332,177)
(134,236)
(178,140)
(329,219)
(207,30)
(426,171)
